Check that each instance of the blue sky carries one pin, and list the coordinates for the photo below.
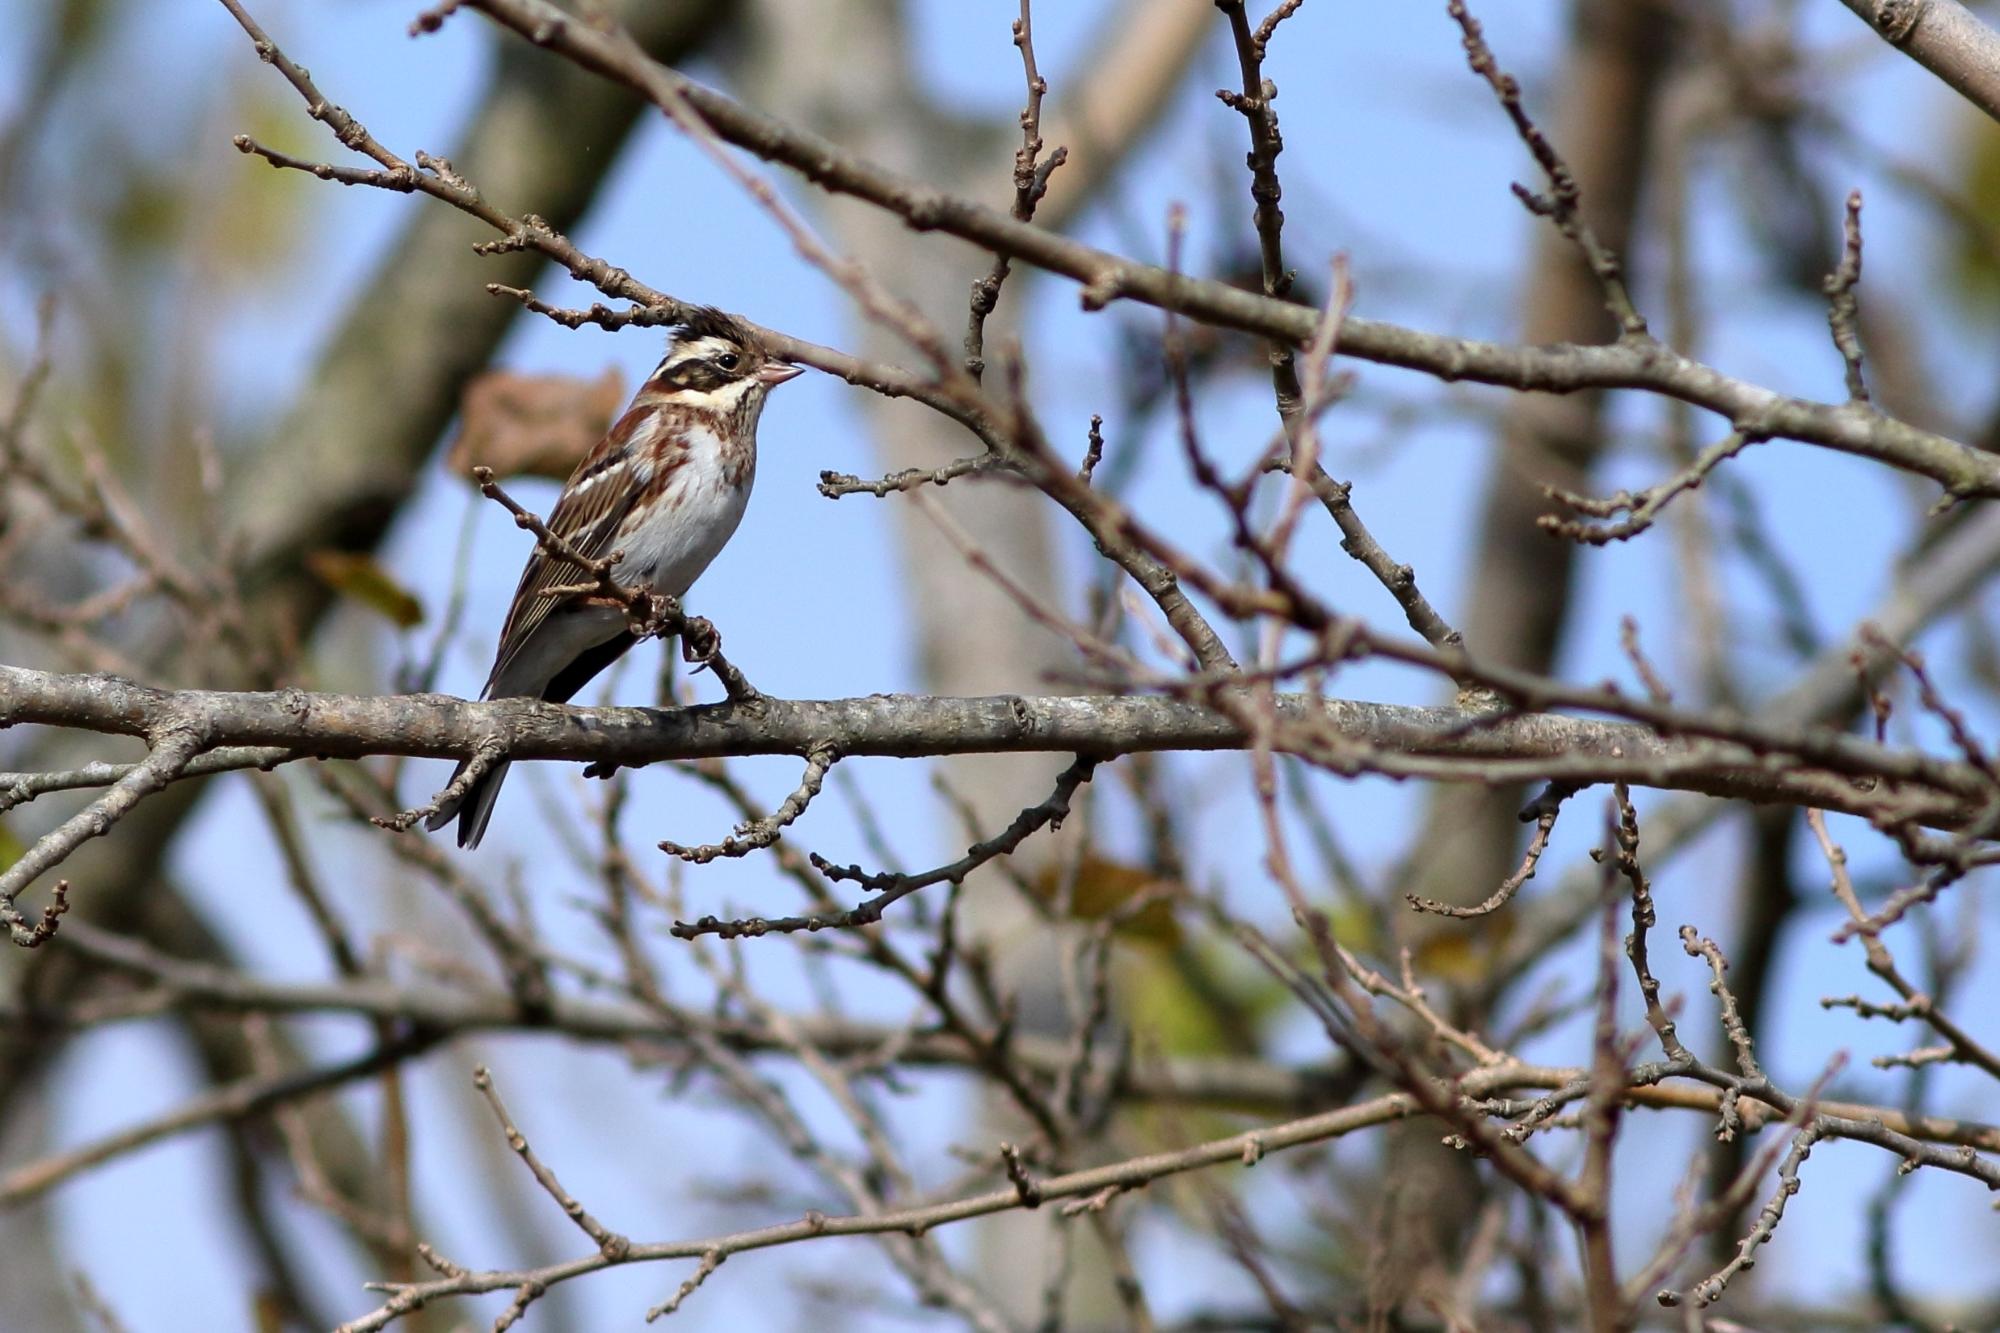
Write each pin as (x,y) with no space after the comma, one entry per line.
(1396,156)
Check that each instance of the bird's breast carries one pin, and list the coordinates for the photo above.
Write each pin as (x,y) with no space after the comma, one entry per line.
(698,495)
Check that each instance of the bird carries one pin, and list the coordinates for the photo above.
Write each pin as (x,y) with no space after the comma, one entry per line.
(666,486)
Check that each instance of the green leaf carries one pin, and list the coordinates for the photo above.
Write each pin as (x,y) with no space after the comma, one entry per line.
(362,579)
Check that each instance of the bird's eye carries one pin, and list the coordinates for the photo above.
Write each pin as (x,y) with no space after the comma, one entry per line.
(729,361)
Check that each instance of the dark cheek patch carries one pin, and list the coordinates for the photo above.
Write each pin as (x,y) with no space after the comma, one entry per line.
(696,376)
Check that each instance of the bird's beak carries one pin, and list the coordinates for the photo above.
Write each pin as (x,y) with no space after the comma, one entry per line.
(777,372)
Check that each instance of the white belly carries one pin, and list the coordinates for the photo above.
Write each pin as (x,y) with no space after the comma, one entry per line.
(699,516)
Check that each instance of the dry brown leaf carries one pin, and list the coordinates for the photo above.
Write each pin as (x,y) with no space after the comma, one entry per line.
(532,425)
(1104,886)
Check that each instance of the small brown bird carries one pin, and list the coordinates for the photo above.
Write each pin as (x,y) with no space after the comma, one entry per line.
(667,486)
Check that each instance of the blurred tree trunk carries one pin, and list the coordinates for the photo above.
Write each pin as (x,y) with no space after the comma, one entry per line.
(1518,598)
(845,68)
(333,475)
(1519,592)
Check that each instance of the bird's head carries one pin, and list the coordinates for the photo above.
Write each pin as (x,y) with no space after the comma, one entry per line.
(716,364)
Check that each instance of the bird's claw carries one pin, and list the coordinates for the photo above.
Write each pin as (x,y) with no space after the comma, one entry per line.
(699,642)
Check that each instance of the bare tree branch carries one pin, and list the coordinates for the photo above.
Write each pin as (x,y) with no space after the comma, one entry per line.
(1638,363)
(1945,38)
(1438,742)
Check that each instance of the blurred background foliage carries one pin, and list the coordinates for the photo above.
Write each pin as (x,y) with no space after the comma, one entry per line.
(197,293)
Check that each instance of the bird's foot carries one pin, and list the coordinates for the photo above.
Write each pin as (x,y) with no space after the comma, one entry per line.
(701,643)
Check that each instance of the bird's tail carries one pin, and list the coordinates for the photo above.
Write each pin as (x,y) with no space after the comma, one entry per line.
(522,675)
(474,808)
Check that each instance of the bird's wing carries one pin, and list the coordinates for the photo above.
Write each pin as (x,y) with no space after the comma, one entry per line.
(588,515)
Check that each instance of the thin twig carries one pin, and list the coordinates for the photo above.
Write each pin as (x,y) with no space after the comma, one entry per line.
(756,834)
(1545,823)
(1732,1019)
(478,766)
(609,1243)
(1640,508)
(231,1101)
(1842,309)
(1031,182)
(173,748)
(833,485)
(891,887)
(1963,1047)
(1561,204)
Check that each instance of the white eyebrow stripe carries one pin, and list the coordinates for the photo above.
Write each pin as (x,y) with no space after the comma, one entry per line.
(697,350)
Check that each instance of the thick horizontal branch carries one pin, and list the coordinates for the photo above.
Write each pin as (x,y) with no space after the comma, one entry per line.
(1349,736)
(1945,38)
(1634,362)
